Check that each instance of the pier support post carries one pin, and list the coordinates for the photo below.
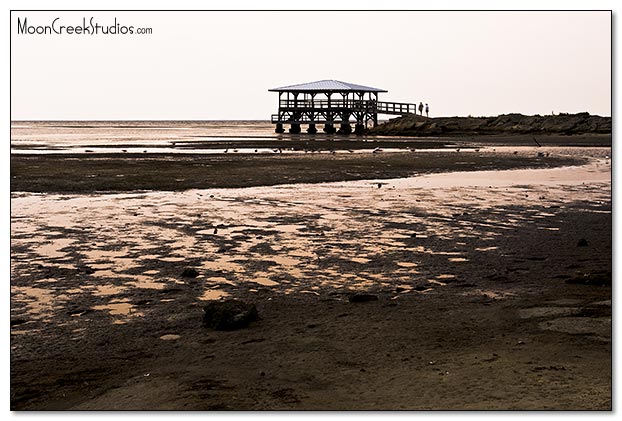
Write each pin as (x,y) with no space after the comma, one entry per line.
(279,128)
(311,129)
(329,128)
(359,129)
(294,128)
(344,128)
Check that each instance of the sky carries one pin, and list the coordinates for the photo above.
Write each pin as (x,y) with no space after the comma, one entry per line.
(219,65)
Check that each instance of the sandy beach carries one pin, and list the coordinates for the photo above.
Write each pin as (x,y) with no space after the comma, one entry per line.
(492,288)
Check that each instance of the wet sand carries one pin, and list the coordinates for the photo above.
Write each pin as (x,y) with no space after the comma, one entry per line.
(86,173)
(475,273)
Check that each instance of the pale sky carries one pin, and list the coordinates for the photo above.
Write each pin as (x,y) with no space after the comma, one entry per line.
(220,65)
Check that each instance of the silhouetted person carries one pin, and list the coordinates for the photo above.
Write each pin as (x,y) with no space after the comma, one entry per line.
(427,110)
(421,108)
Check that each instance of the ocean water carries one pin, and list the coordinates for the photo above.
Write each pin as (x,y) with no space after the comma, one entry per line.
(196,137)
(153,136)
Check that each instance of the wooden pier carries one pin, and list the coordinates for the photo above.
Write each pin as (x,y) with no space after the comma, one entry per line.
(332,103)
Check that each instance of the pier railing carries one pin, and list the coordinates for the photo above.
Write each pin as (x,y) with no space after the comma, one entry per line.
(396,108)
(378,107)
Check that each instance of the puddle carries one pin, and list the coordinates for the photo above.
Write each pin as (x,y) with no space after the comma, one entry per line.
(290,228)
(172,259)
(106,290)
(118,308)
(263,281)
(213,294)
(52,250)
(285,261)
(40,303)
(406,264)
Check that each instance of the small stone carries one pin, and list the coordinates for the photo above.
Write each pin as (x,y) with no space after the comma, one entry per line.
(190,273)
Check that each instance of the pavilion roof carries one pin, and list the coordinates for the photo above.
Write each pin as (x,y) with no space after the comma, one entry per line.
(326,86)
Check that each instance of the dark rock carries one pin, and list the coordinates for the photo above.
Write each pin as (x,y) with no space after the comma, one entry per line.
(420,288)
(190,273)
(362,298)
(582,243)
(601,278)
(229,314)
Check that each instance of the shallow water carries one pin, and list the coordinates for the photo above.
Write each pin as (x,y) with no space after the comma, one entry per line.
(300,238)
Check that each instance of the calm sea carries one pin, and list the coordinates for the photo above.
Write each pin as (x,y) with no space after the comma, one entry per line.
(117,136)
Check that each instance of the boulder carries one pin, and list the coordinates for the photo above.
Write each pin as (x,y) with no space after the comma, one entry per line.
(229,314)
